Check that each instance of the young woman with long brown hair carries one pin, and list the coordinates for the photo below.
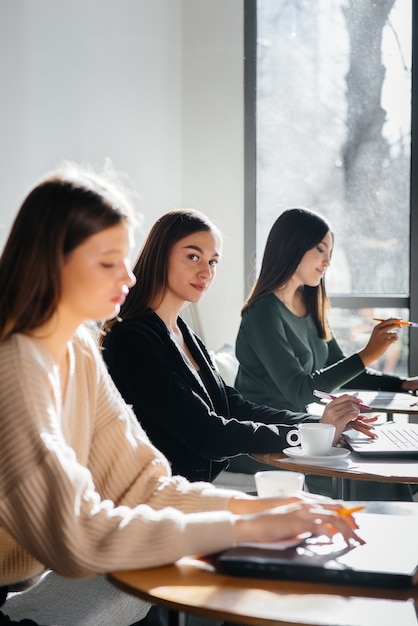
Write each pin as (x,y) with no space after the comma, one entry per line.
(163,369)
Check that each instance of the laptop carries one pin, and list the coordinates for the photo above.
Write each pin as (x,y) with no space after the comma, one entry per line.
(388,559)
(394,440)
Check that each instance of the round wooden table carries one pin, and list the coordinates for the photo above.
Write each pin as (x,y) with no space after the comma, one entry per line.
(195,586)
(354,468)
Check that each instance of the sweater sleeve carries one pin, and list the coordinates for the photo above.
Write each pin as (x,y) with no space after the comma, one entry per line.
(369,379)
(170,409)
(121,510)
(268,358)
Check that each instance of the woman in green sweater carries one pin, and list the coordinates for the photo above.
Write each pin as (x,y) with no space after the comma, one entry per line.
(284,345)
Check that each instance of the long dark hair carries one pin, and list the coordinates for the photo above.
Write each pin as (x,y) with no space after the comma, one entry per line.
(62,210)
(151,267)
(295,231)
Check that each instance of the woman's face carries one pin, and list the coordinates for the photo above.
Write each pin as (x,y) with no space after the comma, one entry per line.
(192,266)
(96,276)
(315,262)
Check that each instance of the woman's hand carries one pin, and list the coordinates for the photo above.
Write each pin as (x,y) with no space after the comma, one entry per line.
(340,412)
(383,335)
(364,425)
(294,519)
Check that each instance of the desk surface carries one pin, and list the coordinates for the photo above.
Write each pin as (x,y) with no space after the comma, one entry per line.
(386,401)
(356,467)
(194,586)
(353,467)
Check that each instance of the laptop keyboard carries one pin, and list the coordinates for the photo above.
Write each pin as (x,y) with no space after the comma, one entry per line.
(401,438)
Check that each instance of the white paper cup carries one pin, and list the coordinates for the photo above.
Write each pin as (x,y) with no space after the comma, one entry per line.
(316,438)
(278,483)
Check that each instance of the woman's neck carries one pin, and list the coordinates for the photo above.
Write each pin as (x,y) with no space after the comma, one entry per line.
(169,312)
(291,296)
(55,335)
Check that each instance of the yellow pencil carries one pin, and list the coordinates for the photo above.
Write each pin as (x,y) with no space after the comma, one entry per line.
(350,511)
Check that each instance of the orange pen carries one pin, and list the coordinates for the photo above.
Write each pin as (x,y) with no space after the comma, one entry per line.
(354,509)
(400,322)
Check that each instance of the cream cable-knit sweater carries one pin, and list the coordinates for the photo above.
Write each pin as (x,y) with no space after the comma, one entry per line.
(63,465)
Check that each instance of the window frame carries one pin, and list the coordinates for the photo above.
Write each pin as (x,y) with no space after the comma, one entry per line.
(410,300)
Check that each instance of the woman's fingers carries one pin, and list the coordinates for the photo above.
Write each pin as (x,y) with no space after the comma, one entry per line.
(341,407)
(365,430)
(364,425)
(366,419)
(296,518)
(383,335)
(324,521)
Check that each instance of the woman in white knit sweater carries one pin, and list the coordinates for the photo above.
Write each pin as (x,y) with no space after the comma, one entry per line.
(82,490)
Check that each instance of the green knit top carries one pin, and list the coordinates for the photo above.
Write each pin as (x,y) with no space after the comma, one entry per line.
(282,359)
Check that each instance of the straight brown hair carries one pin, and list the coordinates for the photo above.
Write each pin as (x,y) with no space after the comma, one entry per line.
(295,231)
(151,267)
(62,210)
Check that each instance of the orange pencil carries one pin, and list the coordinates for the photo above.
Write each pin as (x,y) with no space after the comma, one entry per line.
(400,322)
(350,511)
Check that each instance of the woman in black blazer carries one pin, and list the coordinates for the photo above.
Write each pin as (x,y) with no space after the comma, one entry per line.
(164,371)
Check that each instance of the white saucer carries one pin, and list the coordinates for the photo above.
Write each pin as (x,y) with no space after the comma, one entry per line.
(335,455)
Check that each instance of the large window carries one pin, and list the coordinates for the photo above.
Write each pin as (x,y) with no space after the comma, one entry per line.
(332,132)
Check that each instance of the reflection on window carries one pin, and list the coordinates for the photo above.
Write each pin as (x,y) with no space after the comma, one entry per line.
(333,131)
(352,330)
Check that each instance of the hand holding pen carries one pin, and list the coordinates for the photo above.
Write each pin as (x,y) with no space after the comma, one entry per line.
(330,396)
(409,385)
(344,412)
(383,335)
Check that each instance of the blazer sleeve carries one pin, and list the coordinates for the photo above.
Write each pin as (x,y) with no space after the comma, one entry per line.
(163,398)
(244,410)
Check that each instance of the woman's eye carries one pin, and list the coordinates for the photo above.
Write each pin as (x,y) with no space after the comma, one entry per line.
(193,257)
(108,266)
(213,262)
(321,250)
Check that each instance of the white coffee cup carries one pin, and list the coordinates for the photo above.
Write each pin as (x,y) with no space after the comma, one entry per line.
(278,483)
(316,438)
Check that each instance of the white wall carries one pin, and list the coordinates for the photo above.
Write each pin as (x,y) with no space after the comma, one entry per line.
(155,85)
(213,147)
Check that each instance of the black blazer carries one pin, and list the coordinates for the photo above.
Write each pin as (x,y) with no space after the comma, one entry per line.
(197,425)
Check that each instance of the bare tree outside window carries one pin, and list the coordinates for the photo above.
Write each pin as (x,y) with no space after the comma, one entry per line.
(376,177)
(334,132)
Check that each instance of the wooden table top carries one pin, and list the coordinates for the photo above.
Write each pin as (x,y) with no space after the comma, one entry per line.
(195,586)
(354,467)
